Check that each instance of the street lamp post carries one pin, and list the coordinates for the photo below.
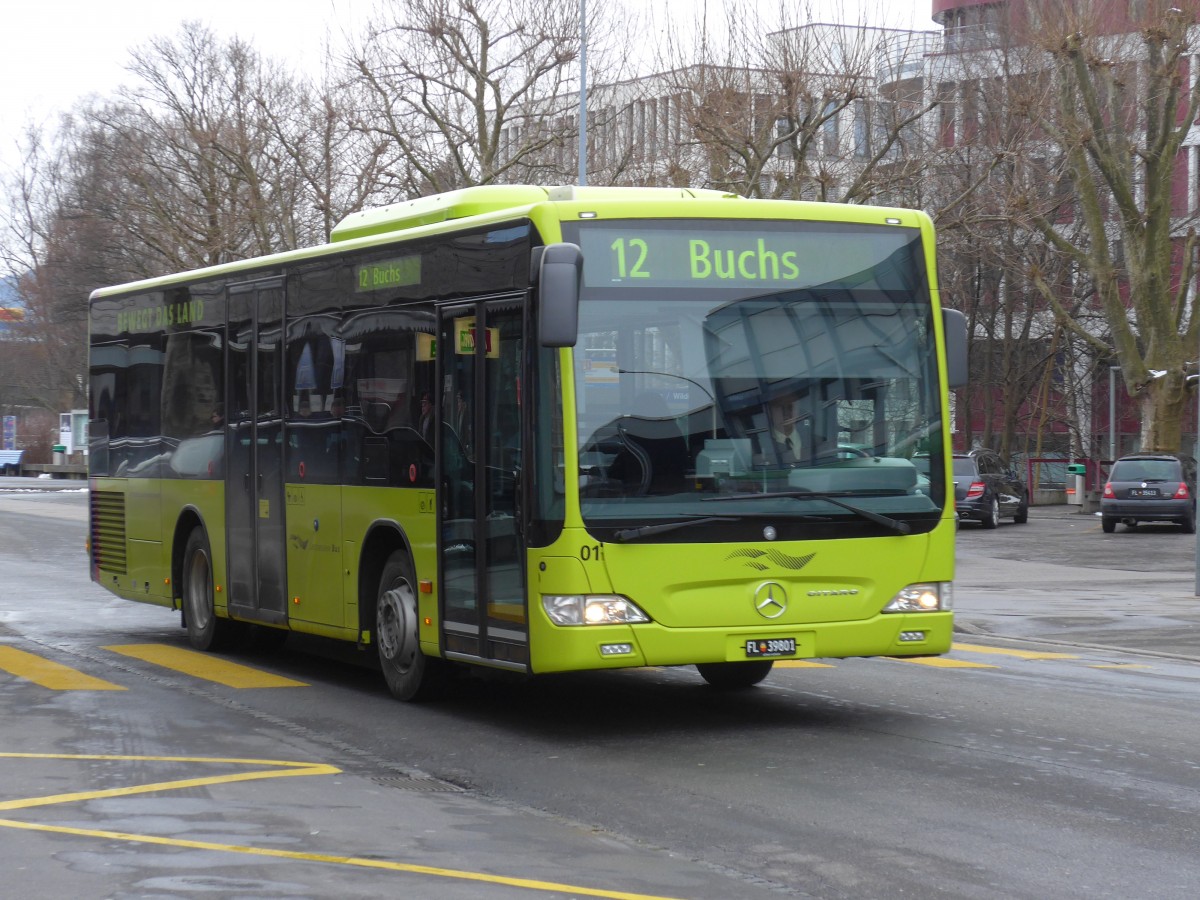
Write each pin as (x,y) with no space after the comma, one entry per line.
(1112,411)
(582,92)
(1196,453)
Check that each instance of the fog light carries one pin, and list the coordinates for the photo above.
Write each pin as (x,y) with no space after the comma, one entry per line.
(616,649)
(908,636)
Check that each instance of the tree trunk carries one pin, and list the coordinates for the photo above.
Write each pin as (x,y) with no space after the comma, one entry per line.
(1163,403)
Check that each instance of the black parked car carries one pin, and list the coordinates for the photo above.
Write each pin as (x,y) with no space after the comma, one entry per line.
(987,489)
(1150,487)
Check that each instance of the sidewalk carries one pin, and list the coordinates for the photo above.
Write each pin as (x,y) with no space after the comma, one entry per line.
(1096,605)
(15,484)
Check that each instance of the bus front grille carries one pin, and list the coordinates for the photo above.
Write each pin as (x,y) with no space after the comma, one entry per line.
(108,531)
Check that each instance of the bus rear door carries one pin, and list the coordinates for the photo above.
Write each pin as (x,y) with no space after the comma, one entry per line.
(254,502)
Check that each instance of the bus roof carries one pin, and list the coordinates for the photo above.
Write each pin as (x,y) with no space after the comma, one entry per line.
(474,201)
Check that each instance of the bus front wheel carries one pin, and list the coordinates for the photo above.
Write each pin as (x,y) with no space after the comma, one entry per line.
(410,674)
(735,676)
(205,630)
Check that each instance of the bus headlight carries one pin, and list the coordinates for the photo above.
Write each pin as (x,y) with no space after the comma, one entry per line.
(592,609)
(934,596)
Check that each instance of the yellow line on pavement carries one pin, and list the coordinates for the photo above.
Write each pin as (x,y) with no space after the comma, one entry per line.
(50,674)
(202,665)
(800,664)
(286,769)
(1020,654)
(358,862)
(282,770)
(942,662)
(1121,666)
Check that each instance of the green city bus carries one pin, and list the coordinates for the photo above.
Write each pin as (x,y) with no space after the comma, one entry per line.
(542,430)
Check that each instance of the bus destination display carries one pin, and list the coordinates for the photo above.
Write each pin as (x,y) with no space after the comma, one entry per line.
(635,254)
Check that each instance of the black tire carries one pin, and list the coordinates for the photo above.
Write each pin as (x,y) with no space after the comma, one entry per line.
(205,630)
(1189,524)
(1022,515)
(1108,524)
(410,674)
(735,676)
(991,518)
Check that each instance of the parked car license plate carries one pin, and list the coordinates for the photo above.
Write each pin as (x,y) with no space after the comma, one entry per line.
(1143,492)
(767,647)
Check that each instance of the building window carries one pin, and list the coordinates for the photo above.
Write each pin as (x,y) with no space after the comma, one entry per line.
(786,146)
(947,114)
(829,129)
(862,129)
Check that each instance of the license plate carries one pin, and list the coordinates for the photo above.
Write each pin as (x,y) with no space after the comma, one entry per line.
(760,648)
(1143,492)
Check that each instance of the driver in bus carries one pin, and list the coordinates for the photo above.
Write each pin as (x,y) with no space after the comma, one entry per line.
(786,445)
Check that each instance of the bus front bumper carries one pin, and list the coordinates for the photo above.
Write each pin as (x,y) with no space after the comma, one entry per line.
(565,649)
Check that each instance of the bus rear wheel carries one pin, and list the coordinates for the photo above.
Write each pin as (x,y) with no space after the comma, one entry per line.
(206,631)
(410,674)
(735,676)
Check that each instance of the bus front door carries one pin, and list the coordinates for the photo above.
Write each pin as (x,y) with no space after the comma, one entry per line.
(254,502)
(482,550)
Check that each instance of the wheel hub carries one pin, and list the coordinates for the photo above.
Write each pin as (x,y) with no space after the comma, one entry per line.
(397,626)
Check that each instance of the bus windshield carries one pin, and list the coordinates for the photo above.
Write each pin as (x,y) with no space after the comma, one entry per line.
(800,397)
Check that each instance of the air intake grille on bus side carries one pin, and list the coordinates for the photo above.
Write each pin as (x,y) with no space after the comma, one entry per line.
(108,531)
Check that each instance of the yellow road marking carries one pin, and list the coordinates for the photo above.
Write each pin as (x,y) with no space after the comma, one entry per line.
(942,662)
(202,665)
(1020,654)
(50,674)
(1121,666)
(800,664)
(282,770)
(286,769)
(358,862)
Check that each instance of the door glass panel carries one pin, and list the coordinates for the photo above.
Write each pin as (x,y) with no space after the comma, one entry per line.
(505,592)
(239,386)
(272,583)
(455,403)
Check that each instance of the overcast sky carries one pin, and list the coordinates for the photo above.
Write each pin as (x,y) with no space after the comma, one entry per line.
(54,53)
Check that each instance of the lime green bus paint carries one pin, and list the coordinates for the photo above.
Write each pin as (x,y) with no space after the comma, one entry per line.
(739,455)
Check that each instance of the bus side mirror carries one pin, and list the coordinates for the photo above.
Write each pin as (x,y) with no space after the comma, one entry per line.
(954,327)
(560,273)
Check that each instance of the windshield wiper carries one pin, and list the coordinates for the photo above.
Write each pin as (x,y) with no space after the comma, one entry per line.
(887,521)
(629,534)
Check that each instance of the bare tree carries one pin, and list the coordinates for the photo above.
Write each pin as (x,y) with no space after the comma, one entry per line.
(192,171)
(465,92)
(182,170)
(784,110)
(338,168)
(1123,105)
(52,260)
(985,153)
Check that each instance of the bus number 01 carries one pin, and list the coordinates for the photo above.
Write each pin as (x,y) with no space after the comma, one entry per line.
(595,551)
